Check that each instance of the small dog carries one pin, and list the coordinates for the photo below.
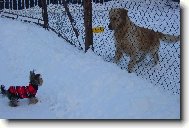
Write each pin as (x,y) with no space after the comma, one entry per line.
(20,92)
(133,40)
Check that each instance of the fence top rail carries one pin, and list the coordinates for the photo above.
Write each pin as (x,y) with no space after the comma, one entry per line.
(22,15)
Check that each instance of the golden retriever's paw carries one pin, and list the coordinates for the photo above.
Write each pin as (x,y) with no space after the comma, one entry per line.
(116,61)
(129,71)
(130,68)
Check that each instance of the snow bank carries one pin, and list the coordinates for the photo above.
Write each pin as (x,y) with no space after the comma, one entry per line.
(76,85)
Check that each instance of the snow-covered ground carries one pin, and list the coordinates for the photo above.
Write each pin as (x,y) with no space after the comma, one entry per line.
(76,85)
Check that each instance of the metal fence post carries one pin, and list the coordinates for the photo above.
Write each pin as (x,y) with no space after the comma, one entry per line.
(23,4)
(1,4)
(44,14)
(88,24)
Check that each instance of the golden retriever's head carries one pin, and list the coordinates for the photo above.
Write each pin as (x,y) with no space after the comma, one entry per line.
(118,17)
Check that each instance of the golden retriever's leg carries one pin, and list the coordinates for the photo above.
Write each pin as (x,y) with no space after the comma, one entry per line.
(118,55)
(155,54)
(141,58)
(156,57)
(132,63)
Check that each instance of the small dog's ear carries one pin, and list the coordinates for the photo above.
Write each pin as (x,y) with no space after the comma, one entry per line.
(33,72)
(32,75)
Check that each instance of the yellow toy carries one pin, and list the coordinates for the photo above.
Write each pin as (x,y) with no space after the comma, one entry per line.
(98,29)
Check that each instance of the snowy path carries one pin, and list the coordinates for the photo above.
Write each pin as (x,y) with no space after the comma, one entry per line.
(76,85)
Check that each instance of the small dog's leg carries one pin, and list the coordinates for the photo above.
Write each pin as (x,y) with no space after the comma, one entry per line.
(33,100)
(13,102)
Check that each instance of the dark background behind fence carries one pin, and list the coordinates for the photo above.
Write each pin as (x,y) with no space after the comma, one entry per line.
(17,4)
(32,3)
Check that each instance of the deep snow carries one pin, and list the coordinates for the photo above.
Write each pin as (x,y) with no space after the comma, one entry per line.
(76,85)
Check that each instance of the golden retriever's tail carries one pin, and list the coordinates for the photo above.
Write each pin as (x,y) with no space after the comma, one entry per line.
(169,38)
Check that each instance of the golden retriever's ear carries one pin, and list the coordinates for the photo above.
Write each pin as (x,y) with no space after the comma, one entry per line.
(124,12)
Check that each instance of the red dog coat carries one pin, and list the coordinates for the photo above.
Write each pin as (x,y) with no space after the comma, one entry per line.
(23,91)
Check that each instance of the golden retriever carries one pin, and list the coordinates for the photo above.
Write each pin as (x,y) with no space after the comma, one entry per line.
(133,40)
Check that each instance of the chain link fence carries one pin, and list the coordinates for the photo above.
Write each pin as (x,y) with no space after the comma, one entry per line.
(159,15)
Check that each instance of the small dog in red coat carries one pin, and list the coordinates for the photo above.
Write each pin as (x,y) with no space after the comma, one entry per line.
(20,92)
